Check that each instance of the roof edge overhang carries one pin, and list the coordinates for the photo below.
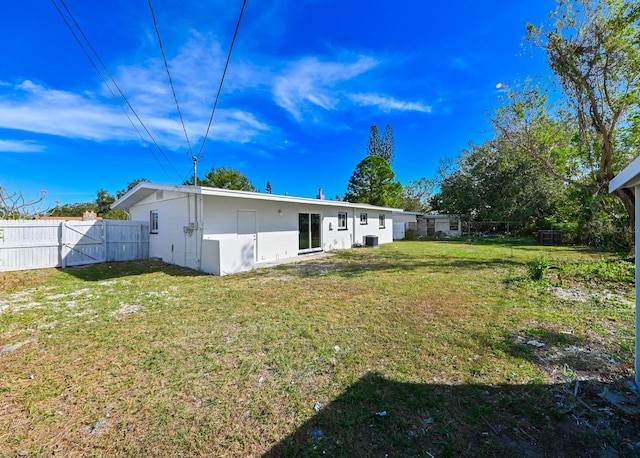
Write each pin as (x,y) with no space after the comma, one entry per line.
(629,177)
(145,189)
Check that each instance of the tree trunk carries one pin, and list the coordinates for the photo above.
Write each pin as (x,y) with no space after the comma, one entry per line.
(628,199)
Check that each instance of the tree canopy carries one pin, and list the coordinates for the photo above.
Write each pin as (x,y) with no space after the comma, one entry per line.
(584,127)
(416,195)
(385,146)
(373,182)
(495,182)
(226,178)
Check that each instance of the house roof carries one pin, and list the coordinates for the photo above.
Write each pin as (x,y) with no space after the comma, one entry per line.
(402,212)
(145,189)
(628,178)
(438,216)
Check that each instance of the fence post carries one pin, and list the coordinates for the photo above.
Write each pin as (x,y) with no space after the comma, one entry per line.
(63,245)
(104,240)
(140,235)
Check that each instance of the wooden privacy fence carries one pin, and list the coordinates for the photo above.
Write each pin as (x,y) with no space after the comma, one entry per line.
(37,244)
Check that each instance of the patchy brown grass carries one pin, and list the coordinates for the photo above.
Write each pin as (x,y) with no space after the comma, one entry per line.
(146,359)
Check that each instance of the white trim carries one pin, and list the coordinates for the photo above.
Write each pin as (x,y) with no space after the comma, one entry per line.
(628,178)
(145,189)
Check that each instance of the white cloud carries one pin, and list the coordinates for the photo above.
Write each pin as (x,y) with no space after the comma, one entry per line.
(32,107)
(311,82)
(19,146)
(388,104)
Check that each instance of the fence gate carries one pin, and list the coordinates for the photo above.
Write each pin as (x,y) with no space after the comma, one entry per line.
(83,242)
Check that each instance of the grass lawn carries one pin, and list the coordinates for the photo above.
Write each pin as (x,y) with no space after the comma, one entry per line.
(411,349)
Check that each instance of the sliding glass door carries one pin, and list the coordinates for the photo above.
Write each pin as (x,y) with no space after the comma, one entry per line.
(309,229)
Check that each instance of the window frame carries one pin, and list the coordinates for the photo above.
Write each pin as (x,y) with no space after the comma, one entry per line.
(364,219)
(153,221)
(454,225)
(342,221)
(381,221)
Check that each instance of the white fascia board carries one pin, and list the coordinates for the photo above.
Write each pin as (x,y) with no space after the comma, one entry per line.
(628,178)
(145,189)
(288,199)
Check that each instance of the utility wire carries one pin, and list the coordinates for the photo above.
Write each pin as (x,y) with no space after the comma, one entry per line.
(95,67)
(166,66)
(226,65)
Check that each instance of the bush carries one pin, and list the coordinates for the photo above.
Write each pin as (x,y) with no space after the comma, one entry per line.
(537,268)
(605,270)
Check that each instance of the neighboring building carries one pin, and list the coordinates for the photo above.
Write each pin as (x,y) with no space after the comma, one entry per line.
(220,231)
(404,221)
(439,226)
(425,226)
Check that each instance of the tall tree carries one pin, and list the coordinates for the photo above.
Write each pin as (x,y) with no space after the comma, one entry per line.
(373,144)
(588,131)
(373,182)
(226,178)
(385,146)
(388,144)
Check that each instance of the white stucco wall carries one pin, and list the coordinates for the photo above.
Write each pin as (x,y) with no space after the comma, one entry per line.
(171,243)
(277,225)
(183,238)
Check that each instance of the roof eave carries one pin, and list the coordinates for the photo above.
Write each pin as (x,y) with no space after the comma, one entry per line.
(628,178)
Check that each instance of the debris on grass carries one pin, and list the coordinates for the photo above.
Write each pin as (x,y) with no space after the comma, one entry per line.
(535,343)
(15,346)
(621,401)
(97,428)
(125,309)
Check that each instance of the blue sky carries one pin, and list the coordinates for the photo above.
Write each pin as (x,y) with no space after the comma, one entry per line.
(306,81)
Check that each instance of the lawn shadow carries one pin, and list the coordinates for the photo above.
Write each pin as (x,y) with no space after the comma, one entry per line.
(377,417)
(357,263)
(110,270)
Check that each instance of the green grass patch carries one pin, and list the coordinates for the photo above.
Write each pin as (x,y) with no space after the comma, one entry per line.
(148,359)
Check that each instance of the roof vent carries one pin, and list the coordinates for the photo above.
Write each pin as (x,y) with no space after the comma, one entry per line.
(320,196)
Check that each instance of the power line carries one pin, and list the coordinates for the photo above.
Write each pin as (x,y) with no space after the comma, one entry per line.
(95,67)
(166,66)
(226,65)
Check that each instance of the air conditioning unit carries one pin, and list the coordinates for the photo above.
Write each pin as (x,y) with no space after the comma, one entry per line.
(371,241)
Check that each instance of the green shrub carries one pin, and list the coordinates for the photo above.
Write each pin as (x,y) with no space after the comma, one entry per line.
(537,268)
(604,270)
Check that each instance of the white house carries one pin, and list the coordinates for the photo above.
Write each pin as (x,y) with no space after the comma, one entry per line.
(629,178)
(220,231)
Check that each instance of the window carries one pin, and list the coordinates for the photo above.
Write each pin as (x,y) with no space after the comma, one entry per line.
(381,221)
(363,218)
(342,221)
(453,224)
(153,222)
